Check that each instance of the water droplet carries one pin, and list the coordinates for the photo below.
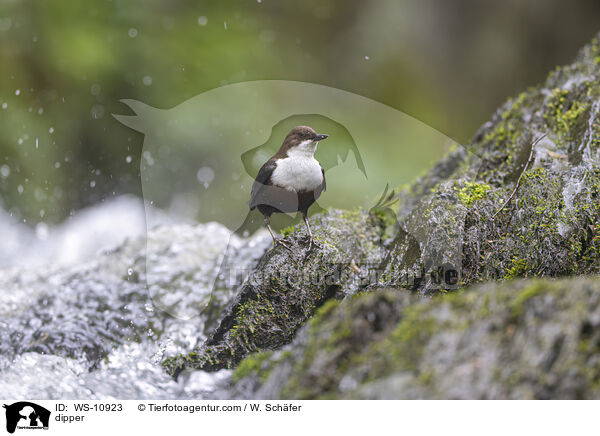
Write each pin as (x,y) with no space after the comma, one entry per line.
(51,130)
(4,171)
(92,184)
(205,175)
(202,20)
(18,92)
(4,105)
(130,271)
(367,58)
(147,80)
(128,159)
(132,32)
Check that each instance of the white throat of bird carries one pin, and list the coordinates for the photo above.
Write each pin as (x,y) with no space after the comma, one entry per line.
(304,149)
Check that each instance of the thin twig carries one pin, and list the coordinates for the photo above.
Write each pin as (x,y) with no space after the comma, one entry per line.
(521,175)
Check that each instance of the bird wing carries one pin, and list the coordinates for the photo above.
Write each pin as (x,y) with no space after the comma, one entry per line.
(262,178)
(323,187)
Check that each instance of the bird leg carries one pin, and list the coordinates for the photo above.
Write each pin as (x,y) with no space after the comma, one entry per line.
(275,240)
(311,241)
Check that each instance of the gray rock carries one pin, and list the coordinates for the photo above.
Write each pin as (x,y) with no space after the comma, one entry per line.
(287,287)
(550,225)
(523,339)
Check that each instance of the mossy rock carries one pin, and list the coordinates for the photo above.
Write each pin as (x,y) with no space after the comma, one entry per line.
(288,286)
(503,207)
(521,339)
(459,214)
(499,209)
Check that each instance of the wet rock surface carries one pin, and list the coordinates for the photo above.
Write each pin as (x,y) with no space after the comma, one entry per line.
(522,339)
(288,285)
(502,210)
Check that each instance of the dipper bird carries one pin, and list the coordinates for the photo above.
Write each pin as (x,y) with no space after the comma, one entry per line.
(291,180)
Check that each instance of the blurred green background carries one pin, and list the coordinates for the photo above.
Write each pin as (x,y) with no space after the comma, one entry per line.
(64,66)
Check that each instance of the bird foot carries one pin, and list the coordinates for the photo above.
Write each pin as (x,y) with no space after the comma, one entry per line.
(277,242)
(311,243)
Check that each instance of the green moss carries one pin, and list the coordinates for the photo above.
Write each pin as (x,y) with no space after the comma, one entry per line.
(517,306)
(503,138)
(288,231)
(407,341)
(518,268)
(472,192)
(253,365)
(563,113)
(385,220)
(505,132)
(483,310)
(426,377)
(353,216)
(323,312)
(252,317)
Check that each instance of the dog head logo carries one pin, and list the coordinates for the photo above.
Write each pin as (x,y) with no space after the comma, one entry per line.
(26,415)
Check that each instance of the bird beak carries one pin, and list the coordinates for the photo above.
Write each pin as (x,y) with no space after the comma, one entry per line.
(320,137)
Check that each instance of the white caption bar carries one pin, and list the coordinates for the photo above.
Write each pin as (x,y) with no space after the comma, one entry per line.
(299,417)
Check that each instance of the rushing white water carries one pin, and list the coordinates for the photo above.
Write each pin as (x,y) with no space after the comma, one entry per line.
(81,236)
(84,324)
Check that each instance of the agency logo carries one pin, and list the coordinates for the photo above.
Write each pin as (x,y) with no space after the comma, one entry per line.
(26,415)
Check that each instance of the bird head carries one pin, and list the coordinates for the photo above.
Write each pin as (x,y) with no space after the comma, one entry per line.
(301,140)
